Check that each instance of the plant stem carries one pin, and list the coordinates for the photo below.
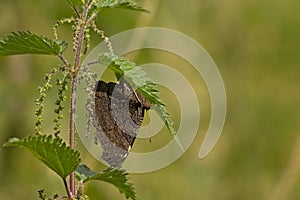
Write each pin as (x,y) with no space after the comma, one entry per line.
(72,129)
(80,41)
(75,70)
(61,57)
(67,189)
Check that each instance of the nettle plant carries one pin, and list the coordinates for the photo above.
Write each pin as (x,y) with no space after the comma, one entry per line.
(62,157)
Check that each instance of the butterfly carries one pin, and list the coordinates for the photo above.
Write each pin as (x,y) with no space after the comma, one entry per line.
(119,113)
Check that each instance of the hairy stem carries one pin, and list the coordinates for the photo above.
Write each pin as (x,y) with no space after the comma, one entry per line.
(75,70)
(80,41)
(72,128)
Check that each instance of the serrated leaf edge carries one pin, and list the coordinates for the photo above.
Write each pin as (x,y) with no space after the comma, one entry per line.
(33,139)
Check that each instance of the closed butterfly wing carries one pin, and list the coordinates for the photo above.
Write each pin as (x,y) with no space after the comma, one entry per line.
(119,112)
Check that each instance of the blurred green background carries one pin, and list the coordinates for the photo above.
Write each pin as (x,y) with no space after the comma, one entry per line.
(256,46)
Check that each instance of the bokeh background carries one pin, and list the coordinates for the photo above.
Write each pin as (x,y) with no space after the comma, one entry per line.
(256,46)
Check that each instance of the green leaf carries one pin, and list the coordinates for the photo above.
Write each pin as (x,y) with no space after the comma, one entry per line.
(52,151)
(30,43)
(73,3)
(83,172)
(127,4)
(116,177)
(138,79)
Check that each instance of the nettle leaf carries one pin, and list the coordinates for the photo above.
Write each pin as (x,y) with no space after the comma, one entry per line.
(127,4)
(73,3)
(133,74)
(83,172)
(138,79)
(30,43)
(116,177)
(52,151)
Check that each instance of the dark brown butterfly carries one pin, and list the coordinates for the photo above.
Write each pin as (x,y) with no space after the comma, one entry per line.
(119,113)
